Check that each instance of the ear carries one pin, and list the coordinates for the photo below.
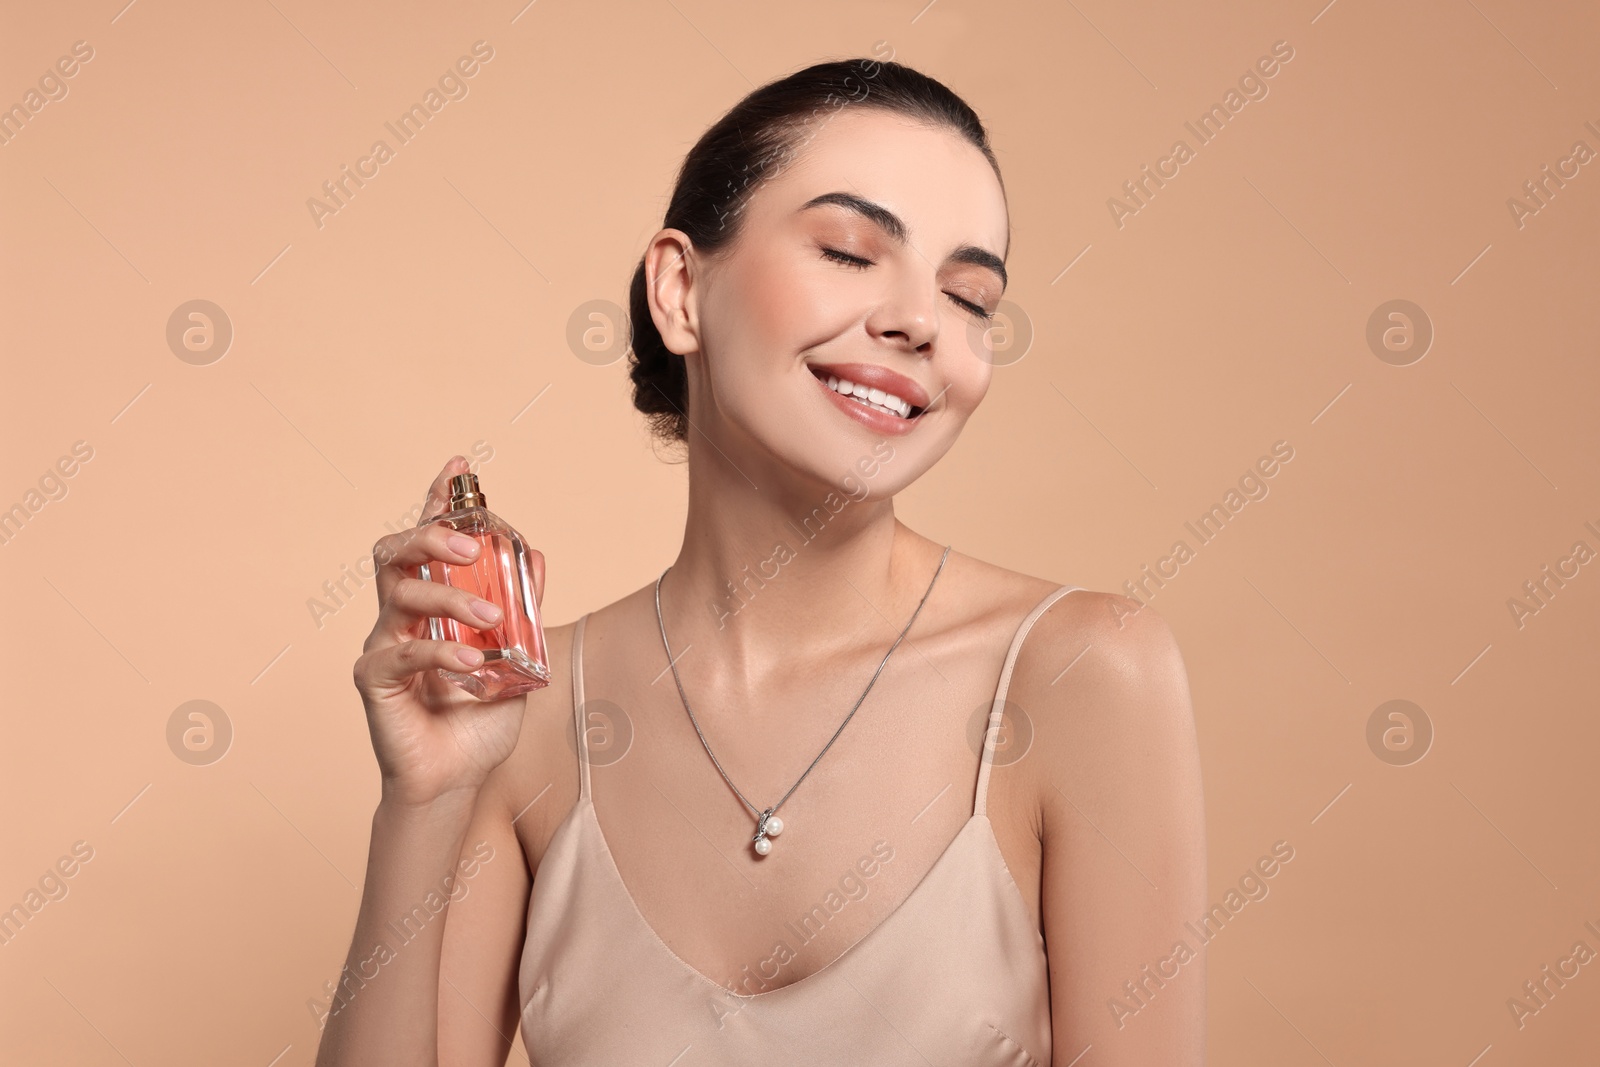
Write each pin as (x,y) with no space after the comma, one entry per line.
(670,269)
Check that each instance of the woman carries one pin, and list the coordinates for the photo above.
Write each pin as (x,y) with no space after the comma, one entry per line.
(691,848)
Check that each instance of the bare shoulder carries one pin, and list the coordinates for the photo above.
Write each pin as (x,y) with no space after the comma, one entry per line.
(1100,651)
(994,596)
(537,785)
(540,778)
(1102,682)
(1007,594)
(1105,637)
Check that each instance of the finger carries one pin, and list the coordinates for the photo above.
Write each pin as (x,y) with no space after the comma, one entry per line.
(394,554)
(536,568)
(401,555)
(413,600)
(391,667)
(434,504)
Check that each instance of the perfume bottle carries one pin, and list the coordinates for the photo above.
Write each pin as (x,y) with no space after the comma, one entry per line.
(514,658)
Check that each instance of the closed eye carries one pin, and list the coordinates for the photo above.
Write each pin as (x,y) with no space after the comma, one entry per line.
(861,264)
(845,257)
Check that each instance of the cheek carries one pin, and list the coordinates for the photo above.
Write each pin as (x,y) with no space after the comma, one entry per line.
(969,382)
(761,319)
(789,308)
(764,305)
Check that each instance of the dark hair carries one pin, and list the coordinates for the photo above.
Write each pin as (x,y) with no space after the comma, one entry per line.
(749,144)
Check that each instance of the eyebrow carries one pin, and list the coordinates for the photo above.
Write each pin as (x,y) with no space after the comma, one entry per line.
(895,227)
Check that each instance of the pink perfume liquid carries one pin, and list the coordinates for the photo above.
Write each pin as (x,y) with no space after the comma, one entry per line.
(514,657)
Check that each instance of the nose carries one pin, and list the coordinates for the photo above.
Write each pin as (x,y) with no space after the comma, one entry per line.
(908,314)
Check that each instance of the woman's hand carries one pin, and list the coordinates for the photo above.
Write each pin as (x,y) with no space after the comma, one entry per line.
(431,737)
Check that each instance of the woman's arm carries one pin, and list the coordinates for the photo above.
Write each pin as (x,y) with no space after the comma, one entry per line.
(478,997)
(1123,834)
(385,1009)
(438,938)
(440,824)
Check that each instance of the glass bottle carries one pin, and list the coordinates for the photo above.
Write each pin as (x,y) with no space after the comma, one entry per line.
(514,658)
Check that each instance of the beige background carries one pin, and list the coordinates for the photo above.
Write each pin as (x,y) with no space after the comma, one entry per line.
(1228,314)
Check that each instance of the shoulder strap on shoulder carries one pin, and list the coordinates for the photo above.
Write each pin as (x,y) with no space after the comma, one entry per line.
(991,735)
(582,740)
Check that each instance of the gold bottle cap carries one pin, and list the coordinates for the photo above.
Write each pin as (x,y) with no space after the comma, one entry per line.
(464,492)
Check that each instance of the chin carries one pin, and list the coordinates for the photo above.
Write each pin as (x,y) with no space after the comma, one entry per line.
(841,449)
(860,466)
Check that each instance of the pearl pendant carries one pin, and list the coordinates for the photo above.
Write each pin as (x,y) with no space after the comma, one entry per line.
(768,826)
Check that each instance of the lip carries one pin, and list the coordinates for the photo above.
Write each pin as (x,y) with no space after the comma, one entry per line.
(874,377)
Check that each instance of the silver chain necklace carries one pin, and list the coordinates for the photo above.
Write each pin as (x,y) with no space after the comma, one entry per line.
(768,825)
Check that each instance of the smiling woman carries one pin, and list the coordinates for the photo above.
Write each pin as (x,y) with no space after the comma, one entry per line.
(906,124)
(829,248)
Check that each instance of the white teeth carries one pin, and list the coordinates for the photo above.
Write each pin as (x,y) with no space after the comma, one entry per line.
(876,398)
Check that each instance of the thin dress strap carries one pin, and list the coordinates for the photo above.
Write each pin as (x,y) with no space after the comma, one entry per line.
(582,738)
(991,735)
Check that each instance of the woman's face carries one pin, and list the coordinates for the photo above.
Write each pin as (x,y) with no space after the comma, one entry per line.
(871,258)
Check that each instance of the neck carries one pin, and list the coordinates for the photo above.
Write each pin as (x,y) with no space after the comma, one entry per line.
(773,566)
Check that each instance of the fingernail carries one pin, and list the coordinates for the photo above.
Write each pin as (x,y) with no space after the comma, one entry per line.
(471,657)
(464,545)
(486,611)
